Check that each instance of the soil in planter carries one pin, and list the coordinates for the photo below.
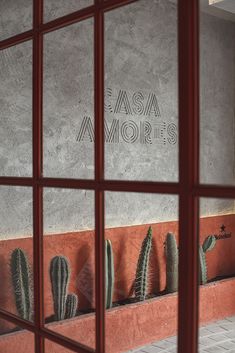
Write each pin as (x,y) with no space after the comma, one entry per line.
(126,301)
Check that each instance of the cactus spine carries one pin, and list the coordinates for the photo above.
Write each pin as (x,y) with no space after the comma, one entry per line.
(109,273)
(71,305)
(172,262)
(20,273)
(141,278)
(208,245)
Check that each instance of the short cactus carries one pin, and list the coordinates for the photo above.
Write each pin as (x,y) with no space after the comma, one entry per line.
(65,306)
(20,273)
(71,305)
(109,273)
(208,245)
(172,263)
(141,278)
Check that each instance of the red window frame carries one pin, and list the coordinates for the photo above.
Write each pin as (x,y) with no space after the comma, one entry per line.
(188,188)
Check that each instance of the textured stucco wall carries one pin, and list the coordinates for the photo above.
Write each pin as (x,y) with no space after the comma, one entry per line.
(217,100)
(141,107)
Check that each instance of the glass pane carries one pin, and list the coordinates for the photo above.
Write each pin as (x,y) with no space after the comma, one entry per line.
(16,110)
(15,17)
(16,251)
(68,102)
(217,275)
(141,92)
(217,123)
(141,271)
(14,339)
(69,264)
(58,8)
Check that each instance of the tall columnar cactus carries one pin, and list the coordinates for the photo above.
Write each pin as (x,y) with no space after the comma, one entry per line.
(59,273)
(71,305)
(20,273)
(208,245)
(172,263)
(65,305)
(141,278)
(109,273)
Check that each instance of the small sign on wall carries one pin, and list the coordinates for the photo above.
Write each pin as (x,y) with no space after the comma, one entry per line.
(223,234)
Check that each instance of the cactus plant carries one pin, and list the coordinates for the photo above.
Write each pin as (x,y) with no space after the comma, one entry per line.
(59,273)
(172,262)
(71,305)
(20,273)
(208,245)
(141,278)
(109,273)
(65,306)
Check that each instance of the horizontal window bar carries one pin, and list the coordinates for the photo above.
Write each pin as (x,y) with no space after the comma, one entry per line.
(16,181)
(217,191)
(67,20)
(112,185)
(114,4)
(105,185)
(27,325)
(17,39)
(65,342)
(52,336)
(60,22)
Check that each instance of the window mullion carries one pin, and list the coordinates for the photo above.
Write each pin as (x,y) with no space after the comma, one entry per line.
(188,33)
(99,177)
(37,173)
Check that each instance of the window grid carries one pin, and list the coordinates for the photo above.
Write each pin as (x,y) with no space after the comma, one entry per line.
(188,188)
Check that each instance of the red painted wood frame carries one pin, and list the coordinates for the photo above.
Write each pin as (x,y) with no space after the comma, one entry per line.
(188,188)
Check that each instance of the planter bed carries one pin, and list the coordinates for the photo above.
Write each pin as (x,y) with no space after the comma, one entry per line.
(133,325)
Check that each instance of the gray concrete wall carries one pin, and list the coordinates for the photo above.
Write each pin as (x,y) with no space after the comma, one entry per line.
(141,113)
(217,101)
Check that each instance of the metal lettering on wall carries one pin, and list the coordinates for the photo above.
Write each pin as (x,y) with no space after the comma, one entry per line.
(119,129)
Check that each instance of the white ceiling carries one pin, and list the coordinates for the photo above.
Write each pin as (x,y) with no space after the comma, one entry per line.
(227,5)
(220,8)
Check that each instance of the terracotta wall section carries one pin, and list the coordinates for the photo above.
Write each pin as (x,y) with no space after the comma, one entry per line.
(126,241)
(133,325)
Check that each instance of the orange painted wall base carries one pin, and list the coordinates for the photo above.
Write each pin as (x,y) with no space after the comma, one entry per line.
(78,247)
(133,325)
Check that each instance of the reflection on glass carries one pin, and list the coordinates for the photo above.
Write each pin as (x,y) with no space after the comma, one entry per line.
(141,270)
(217,92)
(15,17)
(68,102)
(217,274)
(58,8)
(16,110)
(19,340)
(69,264)
(16,251)
(141,92)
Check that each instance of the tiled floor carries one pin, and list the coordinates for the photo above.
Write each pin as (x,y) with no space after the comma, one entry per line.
(217,337)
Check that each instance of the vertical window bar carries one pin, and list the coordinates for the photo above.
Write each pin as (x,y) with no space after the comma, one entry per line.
(99,176)
(188,33)
(37,173)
